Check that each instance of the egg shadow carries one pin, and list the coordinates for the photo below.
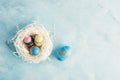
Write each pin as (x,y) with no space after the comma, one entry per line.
(55,50)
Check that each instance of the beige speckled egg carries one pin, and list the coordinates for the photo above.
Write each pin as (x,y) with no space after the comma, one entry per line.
(38,40)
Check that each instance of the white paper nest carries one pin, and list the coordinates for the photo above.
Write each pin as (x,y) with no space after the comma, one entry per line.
(46,48)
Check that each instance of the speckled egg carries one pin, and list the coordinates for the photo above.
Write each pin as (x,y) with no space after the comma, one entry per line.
(38,40)
(63,53)
(35,50)
(28,40)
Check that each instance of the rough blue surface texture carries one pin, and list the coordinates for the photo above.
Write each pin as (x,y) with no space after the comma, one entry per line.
(91,27)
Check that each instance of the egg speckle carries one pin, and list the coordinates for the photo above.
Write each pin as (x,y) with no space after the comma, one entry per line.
(35,50)
(63,53)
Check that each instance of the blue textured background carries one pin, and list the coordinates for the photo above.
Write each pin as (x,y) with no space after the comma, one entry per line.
(91,27)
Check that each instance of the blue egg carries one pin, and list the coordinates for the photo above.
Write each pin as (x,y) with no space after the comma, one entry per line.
(35,50)
(63,53)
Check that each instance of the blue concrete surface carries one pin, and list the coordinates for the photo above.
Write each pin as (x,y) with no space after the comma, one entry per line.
(91,27)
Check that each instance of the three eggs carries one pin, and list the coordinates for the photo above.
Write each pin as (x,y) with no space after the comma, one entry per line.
(34,43)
